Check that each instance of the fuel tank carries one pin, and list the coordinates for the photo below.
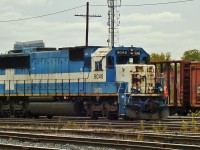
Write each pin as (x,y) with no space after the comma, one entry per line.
(42,99)
(55,108)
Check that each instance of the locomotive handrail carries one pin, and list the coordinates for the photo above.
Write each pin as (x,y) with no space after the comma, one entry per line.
(24,86)
(120,86)
(41,87)
(126,88)
(4,92)
(69,87)
(8,87)
(23,89)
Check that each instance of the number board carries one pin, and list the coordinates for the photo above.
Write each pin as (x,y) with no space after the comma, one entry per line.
(122,53)
(128,53)
(135,53)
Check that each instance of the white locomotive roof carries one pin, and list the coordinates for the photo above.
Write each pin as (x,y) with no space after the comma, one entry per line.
(101,52)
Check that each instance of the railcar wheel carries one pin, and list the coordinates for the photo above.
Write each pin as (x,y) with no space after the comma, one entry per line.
(185,113)
(182,112)
(194,110)
(172,111)
(49,116)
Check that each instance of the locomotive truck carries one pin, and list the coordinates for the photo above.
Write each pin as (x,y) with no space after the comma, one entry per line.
(72,81)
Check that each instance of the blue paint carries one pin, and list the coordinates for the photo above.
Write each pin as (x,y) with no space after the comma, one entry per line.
(61,88)
(2,72)
(121,101)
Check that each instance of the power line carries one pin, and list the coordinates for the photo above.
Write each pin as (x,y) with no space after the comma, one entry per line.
(40,16)
(153,4)
(62,11)
(164,3)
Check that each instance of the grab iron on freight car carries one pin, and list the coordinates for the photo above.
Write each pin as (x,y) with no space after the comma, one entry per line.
(92,81)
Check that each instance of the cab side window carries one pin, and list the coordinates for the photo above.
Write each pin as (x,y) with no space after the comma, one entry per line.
(110,62)
(144,60)
(98,66)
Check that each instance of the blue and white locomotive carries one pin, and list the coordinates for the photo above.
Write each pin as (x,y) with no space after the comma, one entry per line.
(91,81)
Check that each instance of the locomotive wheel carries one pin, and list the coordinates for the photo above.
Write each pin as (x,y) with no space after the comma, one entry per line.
(17,114)
(94,116)
(126,118)
(112,117)
(29,115)
(36,116)
(6,114)
(49,116)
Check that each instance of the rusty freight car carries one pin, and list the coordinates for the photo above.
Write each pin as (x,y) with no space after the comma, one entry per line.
(183,83)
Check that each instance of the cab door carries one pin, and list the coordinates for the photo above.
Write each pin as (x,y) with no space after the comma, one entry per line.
(9,83)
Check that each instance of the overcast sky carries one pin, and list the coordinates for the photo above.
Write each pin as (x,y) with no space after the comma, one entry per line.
(172,28)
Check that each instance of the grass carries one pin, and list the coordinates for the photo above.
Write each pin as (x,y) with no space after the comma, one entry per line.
(184,126)
(159,127)
(193,123)
(85,125)
(194,126)
(141,125)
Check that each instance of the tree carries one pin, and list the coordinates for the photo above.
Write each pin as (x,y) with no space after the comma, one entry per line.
(160,57)
(193,54)
(154,57)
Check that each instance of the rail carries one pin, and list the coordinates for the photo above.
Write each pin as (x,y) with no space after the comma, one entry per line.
(20,147)
(162,141)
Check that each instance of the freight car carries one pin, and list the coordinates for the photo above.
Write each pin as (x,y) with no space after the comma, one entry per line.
(93,81)
(183,82)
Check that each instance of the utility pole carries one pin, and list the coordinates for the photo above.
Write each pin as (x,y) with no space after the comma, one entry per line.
(87,21)
(113,22)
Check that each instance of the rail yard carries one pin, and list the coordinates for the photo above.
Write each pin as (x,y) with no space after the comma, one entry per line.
(93,97)
(175,132)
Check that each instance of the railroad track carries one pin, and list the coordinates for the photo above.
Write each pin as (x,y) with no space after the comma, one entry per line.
(88,118)
(20,147)
(187,138)
(170,126)
(124,134)
(98,142)
(81,120)
(155,127)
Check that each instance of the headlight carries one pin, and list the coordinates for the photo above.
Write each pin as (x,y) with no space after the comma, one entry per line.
(138,89)
(160,89)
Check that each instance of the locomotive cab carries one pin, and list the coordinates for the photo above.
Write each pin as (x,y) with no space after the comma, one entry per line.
(141,90)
